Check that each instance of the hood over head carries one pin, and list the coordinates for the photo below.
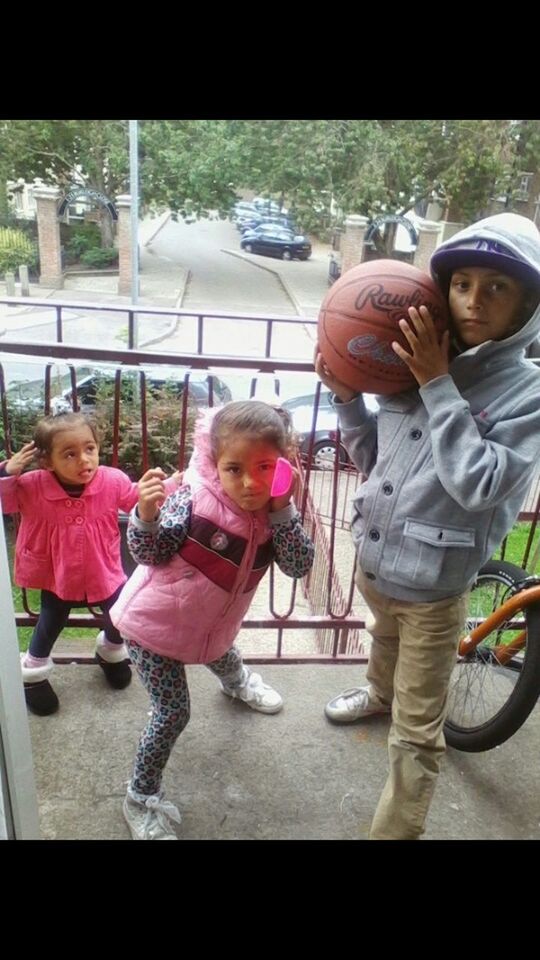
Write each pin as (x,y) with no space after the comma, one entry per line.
(202,464)
(506,242)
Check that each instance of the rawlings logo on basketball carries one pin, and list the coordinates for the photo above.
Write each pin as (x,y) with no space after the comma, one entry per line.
(393,304)
(359,322)
(369,346)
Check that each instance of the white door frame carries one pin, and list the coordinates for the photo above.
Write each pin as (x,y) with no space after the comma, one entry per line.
(18,802)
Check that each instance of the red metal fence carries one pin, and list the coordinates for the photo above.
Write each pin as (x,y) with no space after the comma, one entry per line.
(323,619)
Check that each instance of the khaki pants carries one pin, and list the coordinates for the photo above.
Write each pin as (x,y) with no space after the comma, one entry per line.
(412,655)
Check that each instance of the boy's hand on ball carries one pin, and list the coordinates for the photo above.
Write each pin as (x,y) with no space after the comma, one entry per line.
(429,358)
(341,390)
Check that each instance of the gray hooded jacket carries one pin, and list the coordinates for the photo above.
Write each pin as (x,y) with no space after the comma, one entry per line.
(449,464)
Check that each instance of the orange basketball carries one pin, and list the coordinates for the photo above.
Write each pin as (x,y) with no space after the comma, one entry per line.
(358,321)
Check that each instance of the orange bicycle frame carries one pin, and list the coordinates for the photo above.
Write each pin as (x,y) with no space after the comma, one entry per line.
(503,652)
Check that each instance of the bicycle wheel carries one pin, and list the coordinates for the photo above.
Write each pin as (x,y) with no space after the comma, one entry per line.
(488,702)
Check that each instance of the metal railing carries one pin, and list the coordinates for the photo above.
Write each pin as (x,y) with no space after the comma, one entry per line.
(133,312)
(329,620)
(334,619)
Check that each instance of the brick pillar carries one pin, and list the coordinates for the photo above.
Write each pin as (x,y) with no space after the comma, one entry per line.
(49,236)
(352,242)
(123,205)
(429,234)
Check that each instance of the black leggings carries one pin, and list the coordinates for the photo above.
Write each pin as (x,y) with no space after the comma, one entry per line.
(53,617)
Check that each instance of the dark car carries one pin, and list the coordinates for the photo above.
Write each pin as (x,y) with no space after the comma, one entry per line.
(241,207)
(169,379)
(265,205)
(243,213)
(275,241)
(325,442)
(274,219)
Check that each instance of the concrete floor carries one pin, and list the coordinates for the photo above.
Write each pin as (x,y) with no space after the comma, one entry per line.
(238,775)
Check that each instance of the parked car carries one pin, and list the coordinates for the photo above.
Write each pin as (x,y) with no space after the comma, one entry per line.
(274,219)
(325,443)
(242,206)
(266,205)
(171,378)
(276,241)
(244,215)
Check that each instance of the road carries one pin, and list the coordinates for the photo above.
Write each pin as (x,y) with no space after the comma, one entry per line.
(218,280)
(221,280)
(202,254)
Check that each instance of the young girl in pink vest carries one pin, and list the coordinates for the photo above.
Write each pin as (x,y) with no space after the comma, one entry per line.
(202,556)
(68,544)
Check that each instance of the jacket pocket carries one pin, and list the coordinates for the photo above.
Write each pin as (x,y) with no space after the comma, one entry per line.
(28,556)
(433,555)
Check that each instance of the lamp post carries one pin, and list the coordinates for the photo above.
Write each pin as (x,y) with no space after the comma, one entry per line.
(134,190)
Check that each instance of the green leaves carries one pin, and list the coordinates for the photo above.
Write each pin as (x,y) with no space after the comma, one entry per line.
(15,249)
(320,169)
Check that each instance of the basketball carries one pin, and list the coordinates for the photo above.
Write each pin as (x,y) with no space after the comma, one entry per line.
(358,321)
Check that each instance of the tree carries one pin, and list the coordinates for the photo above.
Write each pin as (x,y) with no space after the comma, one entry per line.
(375,166)
(305,163)
(320,168)
(190,166)
(68,153)
(528,148)
(526,141)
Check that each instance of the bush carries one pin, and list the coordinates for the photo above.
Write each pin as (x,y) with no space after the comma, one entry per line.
(163,413)
(77,240)
(16,249)
(28,227)
(22,421)
(100,257)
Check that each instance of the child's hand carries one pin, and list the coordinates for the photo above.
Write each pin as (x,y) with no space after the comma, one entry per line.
(428,359)
(15,466)
(341,390)
(279,503)
(151,494)
(178,477)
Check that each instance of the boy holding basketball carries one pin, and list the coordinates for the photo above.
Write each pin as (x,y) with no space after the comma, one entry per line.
(448,465)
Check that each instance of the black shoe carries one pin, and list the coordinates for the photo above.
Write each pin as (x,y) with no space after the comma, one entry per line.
(41,698)
(117,675)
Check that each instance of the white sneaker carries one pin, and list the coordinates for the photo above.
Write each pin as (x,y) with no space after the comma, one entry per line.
(258,695)
(150,819)
(354,704)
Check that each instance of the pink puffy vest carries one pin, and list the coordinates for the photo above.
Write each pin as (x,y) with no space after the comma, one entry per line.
(192,607)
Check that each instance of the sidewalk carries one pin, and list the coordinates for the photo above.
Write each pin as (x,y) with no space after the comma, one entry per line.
(239,775)
(163,283)
(305,284)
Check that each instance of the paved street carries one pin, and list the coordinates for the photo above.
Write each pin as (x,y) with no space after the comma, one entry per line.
(198,266)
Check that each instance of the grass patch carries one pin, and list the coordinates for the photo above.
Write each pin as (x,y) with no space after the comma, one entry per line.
(516,543)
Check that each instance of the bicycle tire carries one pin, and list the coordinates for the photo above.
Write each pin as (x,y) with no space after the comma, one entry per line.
(488,702)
